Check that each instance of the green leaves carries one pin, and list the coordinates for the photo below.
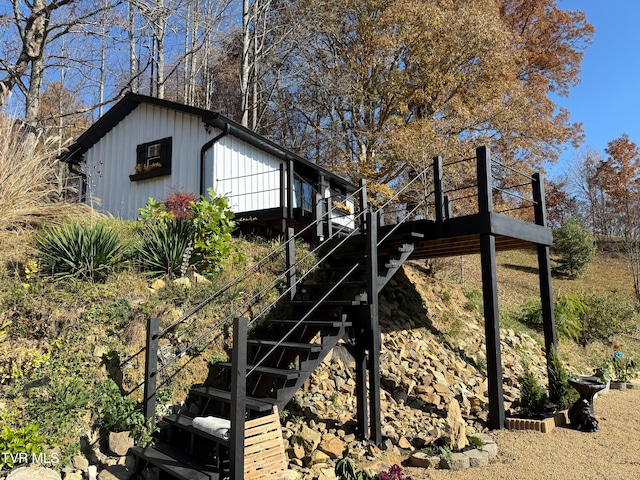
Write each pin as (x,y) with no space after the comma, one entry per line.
(575,248)
(164,248)
(80,250)
(25,440)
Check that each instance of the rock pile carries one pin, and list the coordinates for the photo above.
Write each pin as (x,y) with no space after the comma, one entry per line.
(431,389)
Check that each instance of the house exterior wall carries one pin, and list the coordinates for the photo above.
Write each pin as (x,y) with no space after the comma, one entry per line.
(248,176)
(112,159)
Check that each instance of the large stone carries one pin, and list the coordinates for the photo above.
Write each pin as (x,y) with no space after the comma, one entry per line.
(74,476)
(115,472)
(456,426)
(477,458)
(307,438)
(458,461)
(332,446)
(317,457)
(120,443)
(34,473)
(80,462)
(424,460)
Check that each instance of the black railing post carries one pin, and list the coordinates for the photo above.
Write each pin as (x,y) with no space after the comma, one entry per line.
(238,397)
(151,369)
(283,201)
(363,200)
(290,189)
(544,267)
(374,328)
(485,190)
(438,190)
(291,263)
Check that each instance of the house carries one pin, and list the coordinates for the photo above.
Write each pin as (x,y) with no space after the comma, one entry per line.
(148,147)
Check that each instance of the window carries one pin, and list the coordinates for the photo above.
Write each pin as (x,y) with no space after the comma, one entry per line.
(153,159)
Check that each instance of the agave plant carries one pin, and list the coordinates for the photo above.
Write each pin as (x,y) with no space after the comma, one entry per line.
(165,248)
(81,250)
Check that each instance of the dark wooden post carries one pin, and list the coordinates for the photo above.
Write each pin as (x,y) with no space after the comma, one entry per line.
(283,201)
(374,328)
(361,342)
(490,293)
(544,267)
(364,201)
(438,191)
(290,189)
(291,263)
(238,397)
(151,369)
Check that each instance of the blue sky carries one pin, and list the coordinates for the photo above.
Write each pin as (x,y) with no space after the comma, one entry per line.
(607,100)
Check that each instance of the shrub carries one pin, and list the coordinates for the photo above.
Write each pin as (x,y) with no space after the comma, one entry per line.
(568,311)
(165,247)
(533,398)
(179,204)
(80,250)
(560,392)
(213,221)
(117,413)
(608,315)
(574,246)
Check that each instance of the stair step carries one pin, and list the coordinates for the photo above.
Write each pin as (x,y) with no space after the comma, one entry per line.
(283,373)
(314,323)
(393,264)
(176,463)
(186,423)
(306,347)
(255,404)
(328,303)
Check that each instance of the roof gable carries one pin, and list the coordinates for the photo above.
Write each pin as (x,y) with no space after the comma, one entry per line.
(131,101)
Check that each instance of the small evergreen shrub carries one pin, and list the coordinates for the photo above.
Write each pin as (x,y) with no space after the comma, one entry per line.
(533,398)
(608,316)
(561,393)
(574,247)
(80,250)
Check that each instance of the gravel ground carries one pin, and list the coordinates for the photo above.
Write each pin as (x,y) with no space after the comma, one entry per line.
(612,453)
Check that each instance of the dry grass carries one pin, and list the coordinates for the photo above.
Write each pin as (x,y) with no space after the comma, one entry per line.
(30,178)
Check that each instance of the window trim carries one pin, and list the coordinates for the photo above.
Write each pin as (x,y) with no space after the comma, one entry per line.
(142,150)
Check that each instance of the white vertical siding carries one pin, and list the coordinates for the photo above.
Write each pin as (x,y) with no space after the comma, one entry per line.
(112,159)
(247,175)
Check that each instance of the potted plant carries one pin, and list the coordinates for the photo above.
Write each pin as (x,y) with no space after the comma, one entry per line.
(617,369)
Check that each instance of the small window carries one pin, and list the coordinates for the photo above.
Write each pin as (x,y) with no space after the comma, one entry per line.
(153,159)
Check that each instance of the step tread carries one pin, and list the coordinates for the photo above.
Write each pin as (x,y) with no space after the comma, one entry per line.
(311,347)
(186,423)
(327,303)
(255,404)
(286,374)
(313,323)
(174,462)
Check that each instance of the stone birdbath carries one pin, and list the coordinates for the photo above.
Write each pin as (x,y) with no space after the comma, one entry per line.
(581,412)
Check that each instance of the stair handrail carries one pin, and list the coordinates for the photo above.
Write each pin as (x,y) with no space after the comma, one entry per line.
(245,273)
(254,267)
(249,302)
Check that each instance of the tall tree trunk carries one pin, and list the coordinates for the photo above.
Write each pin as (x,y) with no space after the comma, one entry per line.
(33,95)
(160,44)
(133,74)
(245,67)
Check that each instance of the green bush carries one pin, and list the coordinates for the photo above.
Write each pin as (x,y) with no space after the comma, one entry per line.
(608,315)
(201,238)
(568,311)
(117,413)
(25,440)
(165,247)
(561,393)
(213,221)
(533,398)
(80,250)
(575,248)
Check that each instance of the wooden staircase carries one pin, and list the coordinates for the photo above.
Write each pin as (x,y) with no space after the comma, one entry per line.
(338,301)
(281,355)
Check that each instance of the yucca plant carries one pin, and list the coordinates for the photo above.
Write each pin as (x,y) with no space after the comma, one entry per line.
(81,250)
(165,248)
